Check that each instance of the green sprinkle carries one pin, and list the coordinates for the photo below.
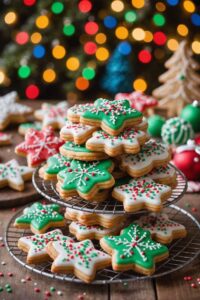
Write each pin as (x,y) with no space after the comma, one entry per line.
(1,289)
(52,289)
(7,286)
(125,283)
(9,290)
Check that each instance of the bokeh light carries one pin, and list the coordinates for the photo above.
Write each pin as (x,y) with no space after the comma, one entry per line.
(88,73)
(110,22)
(42,22)
(90,48)
(196,47)
(58,52)
(117,6)
(144,56)
(91,28)
(121,32)
(68,29)
(100,38)
(148,36)
(138,3)
(36,38)
(24,71)
(10,18)
(49,75)
(138,34)
(73,63)
(140,85)
(159,20)
(57,7)
(125,48)
(85,6)
(159,38)
(182,30)
(172,44)
(102,54)
(2,77)
(195,18)
(189,6)
(82,84)
(32,91)
(29,2)
(160,6)
(22,38)
(130,16)
(39,51)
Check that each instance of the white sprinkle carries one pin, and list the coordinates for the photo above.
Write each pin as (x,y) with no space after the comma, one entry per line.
(59,293)
(23,280)
(35,283)
(3,263)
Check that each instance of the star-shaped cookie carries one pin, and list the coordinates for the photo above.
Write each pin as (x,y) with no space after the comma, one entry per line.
(35,245)
(142,193)
(80,259)
(111,116)
(128,141)
(14,175)
(39,146)
(75,112)
(54,165)
(86,178)
(52,115)
(134,250)
(76,132)
(40,217)
(83,232)
(162,229)
(11,111)
(152,155)
(163,174)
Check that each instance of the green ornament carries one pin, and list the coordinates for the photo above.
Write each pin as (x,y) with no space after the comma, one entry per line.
(155,124)
(191,113)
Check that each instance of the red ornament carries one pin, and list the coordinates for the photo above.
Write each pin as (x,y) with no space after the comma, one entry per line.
(187,159)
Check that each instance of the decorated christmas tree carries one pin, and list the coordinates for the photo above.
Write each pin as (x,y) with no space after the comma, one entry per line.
(181,82)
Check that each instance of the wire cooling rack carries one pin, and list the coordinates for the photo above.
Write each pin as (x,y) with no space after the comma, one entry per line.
(182,252)
(48,190)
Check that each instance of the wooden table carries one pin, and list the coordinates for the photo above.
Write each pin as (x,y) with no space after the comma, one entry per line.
(168,287)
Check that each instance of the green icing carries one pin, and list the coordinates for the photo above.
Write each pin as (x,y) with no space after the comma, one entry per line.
(39,215)
(71,146)
(112,113)
(26,126)
(56,163)
(176,131)
(135,246)
(83,176)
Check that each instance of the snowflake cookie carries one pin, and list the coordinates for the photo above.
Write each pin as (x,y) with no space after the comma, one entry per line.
(76,132)
(92,232)
(54,165)
(75,112)
(14,175)
(39,146)
(162,229)
(86,178)
(142,193)
(134,250)
(86,218)
(40,217)
(128,141)
(5,139)
(80,259)
(111,116)
(52,115)
(35,245)
(80,152)
(152,155)
(11,111)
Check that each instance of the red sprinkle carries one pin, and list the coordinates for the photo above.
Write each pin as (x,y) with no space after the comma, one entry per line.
(37,290)
(1,274)
(47,293)
(194,209)
(10,274)
(198,279)
(28,278)
(193,285)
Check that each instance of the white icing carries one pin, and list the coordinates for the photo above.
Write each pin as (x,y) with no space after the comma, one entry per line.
(77,130)
(69,260)
(135,192)
(146,156)
(129,137)
(4,137)
(51,114)
(13,173)
(159,223)
(79,109)
(9,107)
(161,172)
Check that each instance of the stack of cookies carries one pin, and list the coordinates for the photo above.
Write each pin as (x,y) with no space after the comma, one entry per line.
(107,153)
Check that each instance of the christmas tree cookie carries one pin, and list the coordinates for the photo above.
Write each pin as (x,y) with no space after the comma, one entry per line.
(39,146)
(35,245)
(162,229)
(142,193)
(80,152)
(40,217)
(86,178)
(54,165)
(111,116)
(152,155)
(76,132)
(128,141)
(80,259)
(14,175)
(52,115)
